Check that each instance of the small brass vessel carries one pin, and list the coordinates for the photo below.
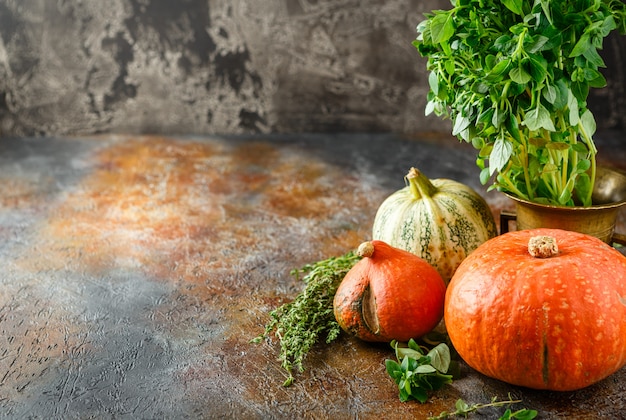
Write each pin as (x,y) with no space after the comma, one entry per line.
(609,195)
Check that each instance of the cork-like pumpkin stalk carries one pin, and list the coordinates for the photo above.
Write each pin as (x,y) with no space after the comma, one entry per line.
(543,309)
(390,294)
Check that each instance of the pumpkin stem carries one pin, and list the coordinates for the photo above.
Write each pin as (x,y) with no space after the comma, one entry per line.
(419,184)
(542,246)
(366,249)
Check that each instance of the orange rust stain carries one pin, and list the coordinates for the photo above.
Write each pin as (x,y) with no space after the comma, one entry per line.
(191,211)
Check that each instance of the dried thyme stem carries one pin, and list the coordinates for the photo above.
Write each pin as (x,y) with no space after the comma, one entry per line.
(301,323)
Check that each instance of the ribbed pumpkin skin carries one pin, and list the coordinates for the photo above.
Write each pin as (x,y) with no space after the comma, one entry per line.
(557,323)
(442,229)
(392,295)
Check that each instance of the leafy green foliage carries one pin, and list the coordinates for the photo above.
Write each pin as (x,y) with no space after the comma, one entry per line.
(301,323)
(416,372)
(514,76)
(463,409)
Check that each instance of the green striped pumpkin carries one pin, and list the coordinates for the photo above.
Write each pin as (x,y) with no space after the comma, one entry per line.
(441,221)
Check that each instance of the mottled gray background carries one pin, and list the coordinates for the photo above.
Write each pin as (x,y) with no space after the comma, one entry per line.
(71,67)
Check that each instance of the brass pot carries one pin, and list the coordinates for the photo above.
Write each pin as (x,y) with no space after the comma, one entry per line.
(598,220)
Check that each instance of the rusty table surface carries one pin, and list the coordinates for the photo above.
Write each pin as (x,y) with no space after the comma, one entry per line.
(136,270)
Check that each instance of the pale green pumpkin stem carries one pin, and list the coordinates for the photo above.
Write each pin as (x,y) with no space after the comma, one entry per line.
(419,184)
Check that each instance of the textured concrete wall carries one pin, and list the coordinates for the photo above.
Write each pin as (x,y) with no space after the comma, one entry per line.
(222,66)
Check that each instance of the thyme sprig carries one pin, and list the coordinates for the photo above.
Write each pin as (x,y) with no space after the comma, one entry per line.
(303,322)
(463,409)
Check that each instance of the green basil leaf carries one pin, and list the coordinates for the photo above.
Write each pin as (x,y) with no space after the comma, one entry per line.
(590,74)
(516,89)
(433,82)
(555,38)
(549,168)
(484,176)
(609,24)
(460,124)
(538,142)
(490,61)
(439,380)
(442,27)
(480,87)
(535,44)
(500,155)
(393,368)
(402,352)
(549,94)
(583,44)
(402,385)
(512,127)
(572,104)
(478,143)
(404,365)
(514,6)
(425,369)
(558,146)
(498,117)
(594,78)
(485,116)
(538,118)
(504,44)
(580,90)
(440,357)
(499,70)
(485,151)
(420,395)
(545,7)
(581,149)
(583,165)
(449,66)
(525,414)
(404,397)
(588,123)
(592,56)
(562,96)
(430,107)
(414,363)
(519,75)
(538,67)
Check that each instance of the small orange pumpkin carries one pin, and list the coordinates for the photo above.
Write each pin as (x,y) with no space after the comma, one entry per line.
(542,308)
(390,294)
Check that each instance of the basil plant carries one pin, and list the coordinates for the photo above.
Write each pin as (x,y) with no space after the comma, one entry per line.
(513,76)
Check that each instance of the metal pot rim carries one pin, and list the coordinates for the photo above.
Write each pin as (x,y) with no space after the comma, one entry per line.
(568,208)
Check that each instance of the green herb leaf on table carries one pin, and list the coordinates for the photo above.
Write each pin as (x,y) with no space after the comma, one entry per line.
(305,321)
(416,372)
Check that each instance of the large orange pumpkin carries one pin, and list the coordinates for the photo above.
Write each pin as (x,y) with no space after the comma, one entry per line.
(554,321)
(390,294)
